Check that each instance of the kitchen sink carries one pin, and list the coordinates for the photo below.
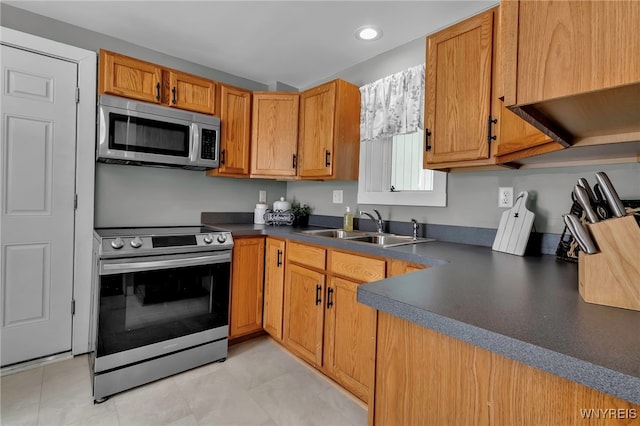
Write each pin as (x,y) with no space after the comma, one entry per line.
(381,240)
(334,233)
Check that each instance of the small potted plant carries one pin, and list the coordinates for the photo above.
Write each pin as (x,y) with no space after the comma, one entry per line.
(301,214)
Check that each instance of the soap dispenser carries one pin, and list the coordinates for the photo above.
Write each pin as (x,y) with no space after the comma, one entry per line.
(347,223)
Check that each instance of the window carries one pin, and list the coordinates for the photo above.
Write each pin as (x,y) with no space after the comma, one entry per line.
(391,173)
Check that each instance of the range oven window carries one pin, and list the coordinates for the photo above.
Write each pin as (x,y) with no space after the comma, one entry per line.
(138,134)
(142,308)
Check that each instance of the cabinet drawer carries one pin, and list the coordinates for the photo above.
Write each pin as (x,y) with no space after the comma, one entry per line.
(307,255)
(356,267)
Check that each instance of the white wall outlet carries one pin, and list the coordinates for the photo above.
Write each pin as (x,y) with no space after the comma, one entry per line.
(505,196)
(263,196)
(337,196)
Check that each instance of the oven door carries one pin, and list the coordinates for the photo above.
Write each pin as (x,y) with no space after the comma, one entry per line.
(152,306)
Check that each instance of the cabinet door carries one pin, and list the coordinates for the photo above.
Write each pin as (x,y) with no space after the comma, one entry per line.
(274,134)
(246,286)
(274,287)
(458,91)
(304,312)
(349,345)
(235,122)
(565,48)
(124,76)
(519,139)
(189,92)
(317,126)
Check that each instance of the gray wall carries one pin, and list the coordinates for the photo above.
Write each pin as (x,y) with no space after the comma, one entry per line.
(472,197)
(135,196)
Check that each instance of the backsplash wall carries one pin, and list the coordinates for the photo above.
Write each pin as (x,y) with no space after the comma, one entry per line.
(472,197)
(151,196)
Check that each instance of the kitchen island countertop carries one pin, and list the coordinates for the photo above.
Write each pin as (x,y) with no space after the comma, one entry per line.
(525,308)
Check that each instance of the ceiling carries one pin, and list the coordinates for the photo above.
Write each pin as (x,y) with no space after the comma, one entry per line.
(295,42)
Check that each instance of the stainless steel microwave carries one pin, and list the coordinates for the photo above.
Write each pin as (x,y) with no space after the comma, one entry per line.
(140,133)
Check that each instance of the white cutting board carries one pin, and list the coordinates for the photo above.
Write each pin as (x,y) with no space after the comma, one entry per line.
(515,227)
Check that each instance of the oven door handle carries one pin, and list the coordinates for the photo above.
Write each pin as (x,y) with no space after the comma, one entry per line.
(148,265)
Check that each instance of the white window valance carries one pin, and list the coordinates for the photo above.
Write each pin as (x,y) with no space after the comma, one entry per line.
(393,105)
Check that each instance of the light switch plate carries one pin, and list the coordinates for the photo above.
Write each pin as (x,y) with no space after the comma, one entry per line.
(337,196)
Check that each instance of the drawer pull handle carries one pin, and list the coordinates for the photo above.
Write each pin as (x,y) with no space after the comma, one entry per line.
(279,259)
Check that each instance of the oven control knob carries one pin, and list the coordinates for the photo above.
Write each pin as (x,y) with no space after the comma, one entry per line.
(208,239)
(222,238)
(136,242)
(117,243)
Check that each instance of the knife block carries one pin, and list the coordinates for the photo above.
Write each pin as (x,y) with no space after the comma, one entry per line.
(612,276)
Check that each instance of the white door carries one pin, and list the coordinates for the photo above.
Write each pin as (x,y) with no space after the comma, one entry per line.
(37,180)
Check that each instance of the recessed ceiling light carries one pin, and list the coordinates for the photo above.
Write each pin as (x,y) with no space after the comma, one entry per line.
(368,33)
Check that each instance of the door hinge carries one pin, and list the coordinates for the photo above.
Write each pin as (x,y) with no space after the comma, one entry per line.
(73,307)
(75,201)
(77,95)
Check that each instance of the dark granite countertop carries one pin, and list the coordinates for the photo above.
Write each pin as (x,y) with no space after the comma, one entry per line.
(525,308)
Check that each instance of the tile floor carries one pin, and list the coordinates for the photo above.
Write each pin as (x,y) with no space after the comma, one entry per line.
(259,384)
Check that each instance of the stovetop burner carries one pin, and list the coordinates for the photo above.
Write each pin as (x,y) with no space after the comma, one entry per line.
(149,241)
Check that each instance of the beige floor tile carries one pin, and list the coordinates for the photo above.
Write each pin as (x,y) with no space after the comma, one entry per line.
(259,384)
(157,403)
(20,395)
(218,399)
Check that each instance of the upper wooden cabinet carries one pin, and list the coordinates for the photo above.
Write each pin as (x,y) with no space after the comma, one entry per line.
(274,134)
(186,91)
(458,91)
(132,78)
(572,69)
(329,132)
(465,120)
(235,132)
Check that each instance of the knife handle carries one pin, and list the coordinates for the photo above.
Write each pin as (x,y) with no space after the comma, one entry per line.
(615,204)
(580,234)
(583,200)
(583,183)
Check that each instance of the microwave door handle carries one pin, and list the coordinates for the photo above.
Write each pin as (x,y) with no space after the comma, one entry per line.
(194,143)
(138,266)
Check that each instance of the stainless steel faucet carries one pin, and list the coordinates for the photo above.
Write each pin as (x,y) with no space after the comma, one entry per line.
(415,229)
(379,222)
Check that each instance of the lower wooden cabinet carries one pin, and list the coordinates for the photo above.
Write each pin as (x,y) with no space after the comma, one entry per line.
(273,287)
(423,377)
(397,267)
(323,322)
(304,312)
(349,337)
(247,273)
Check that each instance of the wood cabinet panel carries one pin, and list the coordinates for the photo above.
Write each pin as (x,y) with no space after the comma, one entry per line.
(247,273)
(565,48)
(235,132)
(349,345)
(274,287)
(360,268)
(458,90)
(304,254)
(132,78)
(274,134)
(304,312)
(186,91)
(329,135)
(397,267)
(317,118)
(424,377)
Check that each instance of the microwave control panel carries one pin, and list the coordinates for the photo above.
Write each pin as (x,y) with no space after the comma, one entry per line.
(208,144)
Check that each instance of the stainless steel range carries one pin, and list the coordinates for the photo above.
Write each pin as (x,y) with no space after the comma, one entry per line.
(160,303)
